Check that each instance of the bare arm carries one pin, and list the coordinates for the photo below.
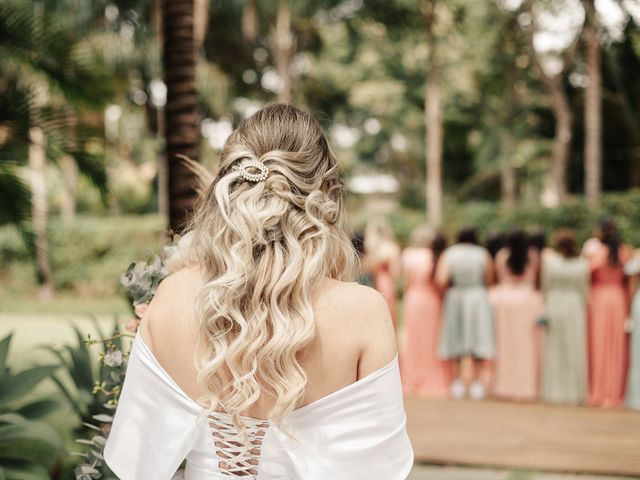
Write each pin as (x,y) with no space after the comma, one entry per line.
(488,272)
(379,334)
(442,272)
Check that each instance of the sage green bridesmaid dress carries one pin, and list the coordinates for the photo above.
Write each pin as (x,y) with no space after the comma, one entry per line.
(632,398)
(565,283)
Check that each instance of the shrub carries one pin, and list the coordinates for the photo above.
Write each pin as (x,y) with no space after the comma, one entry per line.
(29,448)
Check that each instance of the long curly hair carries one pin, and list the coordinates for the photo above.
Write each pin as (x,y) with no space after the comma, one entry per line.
(262,247)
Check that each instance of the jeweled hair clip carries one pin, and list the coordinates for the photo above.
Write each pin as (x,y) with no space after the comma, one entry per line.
(248,169)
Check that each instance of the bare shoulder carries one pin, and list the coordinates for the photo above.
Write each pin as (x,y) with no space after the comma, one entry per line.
(361,315)
(169,315)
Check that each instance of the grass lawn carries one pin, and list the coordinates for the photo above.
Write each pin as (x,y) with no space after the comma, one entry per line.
(62,304)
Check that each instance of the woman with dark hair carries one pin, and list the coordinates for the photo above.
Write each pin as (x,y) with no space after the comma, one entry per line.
(538,242)
(608,311)
(467,331)
(538,239)
(517,306)
(495,242)
(565,284)
(423,373)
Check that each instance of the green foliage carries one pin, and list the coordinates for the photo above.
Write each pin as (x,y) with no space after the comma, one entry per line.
(81,374)
(88,254)
(14,207)
(624,208)
(29,448)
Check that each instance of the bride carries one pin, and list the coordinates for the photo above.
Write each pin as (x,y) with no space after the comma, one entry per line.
(259,358)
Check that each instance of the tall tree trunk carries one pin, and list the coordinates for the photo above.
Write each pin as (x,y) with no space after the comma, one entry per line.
(283,48)
(201,22)
(554,85)
(68,200)
(39,210)
(433,118)
(563,134)
(508,180)
(181,121)
(592,110)
(69,167)
(250,21)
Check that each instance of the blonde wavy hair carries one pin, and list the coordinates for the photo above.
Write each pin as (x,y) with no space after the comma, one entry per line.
(262,247)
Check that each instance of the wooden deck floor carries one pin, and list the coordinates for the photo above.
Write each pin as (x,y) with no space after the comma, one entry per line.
(525,436)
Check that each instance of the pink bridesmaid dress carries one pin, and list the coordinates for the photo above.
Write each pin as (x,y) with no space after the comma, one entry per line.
(608,312)
(383,283)
(517,307)
(423,373)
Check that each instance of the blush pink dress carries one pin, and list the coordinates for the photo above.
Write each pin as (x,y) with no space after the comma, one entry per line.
(383,283)
(517,307)
(608,312)
(423,373)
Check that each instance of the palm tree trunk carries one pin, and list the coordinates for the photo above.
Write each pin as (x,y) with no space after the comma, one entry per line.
(433,119)
(181,121)
(592,110)
(39,211)
(283,48)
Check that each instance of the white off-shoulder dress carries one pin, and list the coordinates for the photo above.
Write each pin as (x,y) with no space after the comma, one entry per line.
(355,433)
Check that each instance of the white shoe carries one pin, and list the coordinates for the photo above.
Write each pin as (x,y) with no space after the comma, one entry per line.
(457,389)
(477,390)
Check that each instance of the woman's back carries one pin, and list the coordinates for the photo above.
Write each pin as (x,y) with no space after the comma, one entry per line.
(506,275)
(261,320)
(417,266)
(354,336)
(603,272)
(561,274)
(467,264)
(351,412)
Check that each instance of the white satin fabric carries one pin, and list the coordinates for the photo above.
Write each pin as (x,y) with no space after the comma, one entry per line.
(355,433)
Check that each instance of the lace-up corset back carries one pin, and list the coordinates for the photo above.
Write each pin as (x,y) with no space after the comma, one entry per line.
(237,458)
(355,433)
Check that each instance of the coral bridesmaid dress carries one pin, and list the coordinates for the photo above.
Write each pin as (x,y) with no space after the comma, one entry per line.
(608,311)
(517,306)
(423,373)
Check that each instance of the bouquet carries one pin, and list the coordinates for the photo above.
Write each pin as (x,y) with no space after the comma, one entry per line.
(140,281)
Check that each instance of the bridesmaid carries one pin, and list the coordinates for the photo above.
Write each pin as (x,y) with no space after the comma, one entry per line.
(365,277)
(383,255)
(608,310)
(517,308)
(538,241)
(565,284)
(632,268)
(467,330)
(494,242)
(423,373)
